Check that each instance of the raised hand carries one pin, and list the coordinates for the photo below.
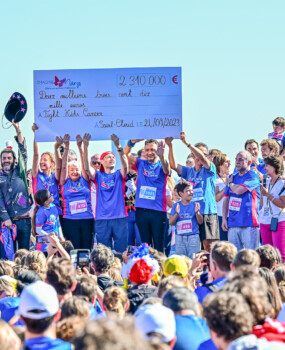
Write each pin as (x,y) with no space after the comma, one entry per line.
(58,142)
(229,179)
(86,139)
(79,141)
(168,141)
(177,209)
(183,138)
(16,125)
(136,140)
(35,127)
(115,140)
(66,140)
(197,207)
(160,149)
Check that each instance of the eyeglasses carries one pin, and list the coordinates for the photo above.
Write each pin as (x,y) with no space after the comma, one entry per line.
(50,195)
(94,162)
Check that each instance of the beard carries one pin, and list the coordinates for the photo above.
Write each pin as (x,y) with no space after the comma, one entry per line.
(7,167)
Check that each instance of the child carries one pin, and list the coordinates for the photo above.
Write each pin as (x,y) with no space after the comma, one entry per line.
(279,132)
(45,219)
(185,216)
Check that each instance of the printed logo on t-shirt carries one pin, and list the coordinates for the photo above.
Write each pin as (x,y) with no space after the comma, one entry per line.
(198,194)
(235,204)
(147,192)
(149,173)
(78,206)
(184,227)
(108,184)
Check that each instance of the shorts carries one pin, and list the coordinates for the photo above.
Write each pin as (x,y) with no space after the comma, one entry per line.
(210,227)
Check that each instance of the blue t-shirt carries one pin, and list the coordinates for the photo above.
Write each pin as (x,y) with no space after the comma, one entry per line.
(8,307)
(42,182)
(261,168)
(191,331)
(45,343)
(151,185)
(204,182)
(76,198)
(202,291)
(110,192)
(48,221)
(208,345)
(186,223)
(279,138)
(244,209)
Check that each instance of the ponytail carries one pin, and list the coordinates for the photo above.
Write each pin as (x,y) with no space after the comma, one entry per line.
(36,208)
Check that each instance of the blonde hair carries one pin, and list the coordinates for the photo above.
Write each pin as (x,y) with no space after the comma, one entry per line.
(52,158)
(168,283)
(116,300)
(115,269)
(36,261)
(170,183)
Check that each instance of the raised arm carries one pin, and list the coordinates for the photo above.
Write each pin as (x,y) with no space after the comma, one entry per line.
(86,139)
(20,137)
(127,150)
(164,163)
(196,151)
(172,161)
(36,157)
(64,170)
(122,155)
(58,159)
(79,145)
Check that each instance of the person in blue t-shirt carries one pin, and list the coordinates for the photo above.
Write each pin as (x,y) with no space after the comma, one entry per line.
(241,204)
(185,216)
(111,215)
(45,219)
(221,257)
(150,204)
(191,330)
(257,163)
(38,308)
(203,178)
(46,170)
(78,219)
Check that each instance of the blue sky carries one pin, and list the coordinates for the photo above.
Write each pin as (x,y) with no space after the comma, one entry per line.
(232,55)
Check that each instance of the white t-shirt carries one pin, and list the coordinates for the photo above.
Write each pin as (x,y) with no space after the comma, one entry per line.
(221,186)
(93,199)
(265,214)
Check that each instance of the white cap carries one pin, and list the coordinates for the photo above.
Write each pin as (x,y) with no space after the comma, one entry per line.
(38,296)
(156,318)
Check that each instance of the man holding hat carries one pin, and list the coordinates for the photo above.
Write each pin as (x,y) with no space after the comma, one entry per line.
(14,196)
(38,308)
(111,215)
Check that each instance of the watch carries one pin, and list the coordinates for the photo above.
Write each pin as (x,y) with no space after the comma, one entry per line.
(120,149)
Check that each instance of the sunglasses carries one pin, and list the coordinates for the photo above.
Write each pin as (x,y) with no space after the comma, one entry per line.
(94,163)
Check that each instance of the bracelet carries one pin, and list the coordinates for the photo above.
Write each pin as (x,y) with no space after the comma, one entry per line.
(130,144)
(188,146)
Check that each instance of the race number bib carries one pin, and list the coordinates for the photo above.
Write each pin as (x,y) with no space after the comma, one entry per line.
(184,227)
(147,192)
(235,204)
(198,194)
(78,207)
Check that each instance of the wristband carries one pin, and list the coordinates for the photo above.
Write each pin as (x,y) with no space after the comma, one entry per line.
(130,144)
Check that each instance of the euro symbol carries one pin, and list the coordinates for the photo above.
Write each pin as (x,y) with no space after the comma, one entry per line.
(174,79)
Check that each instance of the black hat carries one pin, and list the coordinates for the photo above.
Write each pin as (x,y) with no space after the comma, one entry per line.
(16,108)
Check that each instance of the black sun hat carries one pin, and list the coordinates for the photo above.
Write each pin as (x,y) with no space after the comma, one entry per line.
(16,108)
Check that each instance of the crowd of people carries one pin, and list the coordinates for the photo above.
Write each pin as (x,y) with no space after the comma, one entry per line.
(174,256)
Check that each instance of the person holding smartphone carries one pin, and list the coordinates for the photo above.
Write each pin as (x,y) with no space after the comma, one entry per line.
(45,219)
(272,216)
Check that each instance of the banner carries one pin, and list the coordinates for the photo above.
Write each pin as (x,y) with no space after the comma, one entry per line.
(130,102)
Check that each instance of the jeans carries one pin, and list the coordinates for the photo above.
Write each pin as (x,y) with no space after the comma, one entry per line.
(113,229)
(187,244)
(274,238)
(244,237)
(24,228)
(134,234)
(151,224)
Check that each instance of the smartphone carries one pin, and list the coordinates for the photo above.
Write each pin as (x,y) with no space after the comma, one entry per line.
(264,180)
(80,257)
(206,261)
(42,239)
(131,249)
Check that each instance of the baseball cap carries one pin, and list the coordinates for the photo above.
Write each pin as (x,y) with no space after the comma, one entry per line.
(156,318)
(175,265)
(38,296)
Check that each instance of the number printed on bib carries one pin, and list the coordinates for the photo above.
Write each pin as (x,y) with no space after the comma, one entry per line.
(147,192)
(235,204)
(198,194)
(78,207)
(184,227)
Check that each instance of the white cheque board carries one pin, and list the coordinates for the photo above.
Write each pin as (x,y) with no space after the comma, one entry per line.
(130,102)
